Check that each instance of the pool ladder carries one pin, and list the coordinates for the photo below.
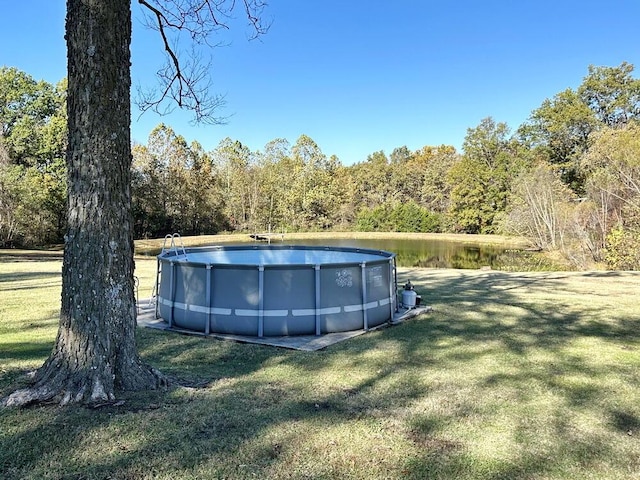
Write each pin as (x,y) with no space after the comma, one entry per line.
(175,245)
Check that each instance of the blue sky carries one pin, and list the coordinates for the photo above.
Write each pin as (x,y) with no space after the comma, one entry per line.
(361,76)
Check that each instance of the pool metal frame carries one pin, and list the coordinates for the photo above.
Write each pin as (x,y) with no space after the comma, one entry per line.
(217,314)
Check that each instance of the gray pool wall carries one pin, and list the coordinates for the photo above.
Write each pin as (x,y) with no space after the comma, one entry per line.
(274,299)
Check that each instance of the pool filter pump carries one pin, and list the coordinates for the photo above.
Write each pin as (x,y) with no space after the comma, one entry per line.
(409,296)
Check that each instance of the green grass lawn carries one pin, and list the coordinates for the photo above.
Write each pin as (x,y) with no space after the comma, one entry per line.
(514,375)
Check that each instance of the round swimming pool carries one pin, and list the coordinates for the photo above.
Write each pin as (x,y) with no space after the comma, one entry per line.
(266,290)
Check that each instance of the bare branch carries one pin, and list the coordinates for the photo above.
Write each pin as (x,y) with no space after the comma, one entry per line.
(187,84)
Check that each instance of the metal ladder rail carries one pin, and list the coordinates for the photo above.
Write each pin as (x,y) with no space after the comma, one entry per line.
(175,245)
(164,249)
(155,291)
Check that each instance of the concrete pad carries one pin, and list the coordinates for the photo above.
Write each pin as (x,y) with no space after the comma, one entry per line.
(147,319)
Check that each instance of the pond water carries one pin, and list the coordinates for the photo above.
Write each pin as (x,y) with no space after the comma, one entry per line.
(435,253)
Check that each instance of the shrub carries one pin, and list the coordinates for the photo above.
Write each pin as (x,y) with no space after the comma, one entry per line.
(398,217)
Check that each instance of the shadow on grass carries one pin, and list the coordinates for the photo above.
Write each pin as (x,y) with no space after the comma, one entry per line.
(533,325)
(33,353)
(25,351)
(45,319)
(30,255)
(626,422)
(433,386)
(9,278)
(183,431)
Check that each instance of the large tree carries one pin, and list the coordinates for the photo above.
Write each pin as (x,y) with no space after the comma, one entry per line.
(481,181)
(95,353)
(32,172)
(612,167)
(561,127)
(32,119)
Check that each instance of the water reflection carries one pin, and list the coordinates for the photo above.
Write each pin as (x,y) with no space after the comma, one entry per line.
(435,253)
(432,253)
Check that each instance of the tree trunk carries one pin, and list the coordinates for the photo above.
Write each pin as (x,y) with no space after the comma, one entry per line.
(95,353)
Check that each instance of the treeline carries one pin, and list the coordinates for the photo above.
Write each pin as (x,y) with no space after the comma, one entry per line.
(568,178)
(179,187)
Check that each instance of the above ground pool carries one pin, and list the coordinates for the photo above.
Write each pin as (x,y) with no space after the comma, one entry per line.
(267,290)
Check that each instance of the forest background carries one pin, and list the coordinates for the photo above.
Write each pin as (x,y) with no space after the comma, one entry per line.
(568,179)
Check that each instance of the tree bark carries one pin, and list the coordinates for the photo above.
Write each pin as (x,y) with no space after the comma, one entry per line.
(95,353)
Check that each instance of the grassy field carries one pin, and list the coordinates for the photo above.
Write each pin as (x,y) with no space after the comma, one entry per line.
(513,376)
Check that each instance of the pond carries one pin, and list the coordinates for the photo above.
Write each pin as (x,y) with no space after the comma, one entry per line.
(435,253)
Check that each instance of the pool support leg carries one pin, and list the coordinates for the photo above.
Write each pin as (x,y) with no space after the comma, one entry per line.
(392,289)
(207,327)
(172,293)
(157,287)
(365,319)
(261,301)
(317,286)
